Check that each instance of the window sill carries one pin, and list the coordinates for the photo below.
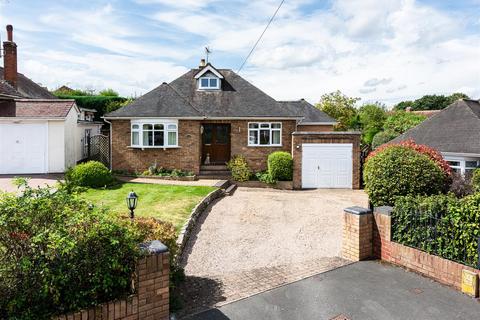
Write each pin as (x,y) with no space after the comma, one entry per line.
(143,148)
(265,145)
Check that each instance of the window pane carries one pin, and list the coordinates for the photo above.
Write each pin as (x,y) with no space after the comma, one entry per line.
(213,83)
(264,137)
(172,127)
(147,127)
(276,137)
(253,137)
(264,125)
(135,138)
(147,138)
(454,163)
(135,127)
(253,125)
(204,82)
(276,125)
(172,138)
(471,164)
(158,127)
(158,135)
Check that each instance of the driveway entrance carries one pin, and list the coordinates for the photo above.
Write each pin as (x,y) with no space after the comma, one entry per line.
(259,239)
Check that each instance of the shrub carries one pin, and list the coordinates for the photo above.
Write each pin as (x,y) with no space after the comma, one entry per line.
(239,167)
(476,180)
(265,176)
(382,138)
(399,171)
(402,121)
(102,104)
(461,186)
(154,229)
(454,236)
(58,254)
(92,174)
(280,166)
(433,154)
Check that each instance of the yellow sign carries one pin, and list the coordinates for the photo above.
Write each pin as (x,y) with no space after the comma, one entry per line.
(470,283)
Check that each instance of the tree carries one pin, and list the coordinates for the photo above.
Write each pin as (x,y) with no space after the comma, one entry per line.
(401,121)
(340,107)
(116,104)
(108,93)
(431,102)
(372,117)
(403,105)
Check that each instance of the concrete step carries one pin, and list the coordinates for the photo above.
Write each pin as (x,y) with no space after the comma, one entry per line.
(224,173)
(212,167)
(223,184)
(214,176)
(230,190)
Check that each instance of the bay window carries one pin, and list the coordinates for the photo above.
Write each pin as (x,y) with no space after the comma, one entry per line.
(154,133)
(265,134)
(464,166)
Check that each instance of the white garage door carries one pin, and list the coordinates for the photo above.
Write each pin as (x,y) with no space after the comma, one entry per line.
(327,165)
(23,148)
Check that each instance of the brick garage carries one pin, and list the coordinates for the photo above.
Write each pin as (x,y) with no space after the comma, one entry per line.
(188,155)
(299,139)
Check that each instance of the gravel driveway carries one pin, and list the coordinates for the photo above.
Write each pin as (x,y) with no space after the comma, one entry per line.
(261,235)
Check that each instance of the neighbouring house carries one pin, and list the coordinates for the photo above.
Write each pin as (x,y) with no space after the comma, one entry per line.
(203,118)
(455,132)
(38,132)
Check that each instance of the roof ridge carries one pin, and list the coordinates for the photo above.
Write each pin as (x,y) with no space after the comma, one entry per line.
(183,98)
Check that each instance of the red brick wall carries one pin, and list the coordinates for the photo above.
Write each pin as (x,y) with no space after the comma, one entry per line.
(315,128)
(150,302)
(435,267)
(188,156)
(357,236)
(299,138)
(10,63)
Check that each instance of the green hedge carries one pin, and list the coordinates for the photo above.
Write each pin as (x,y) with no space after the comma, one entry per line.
(441,225)
(60,254)
(102,104)
(92,174)
(400,171)
(280,166)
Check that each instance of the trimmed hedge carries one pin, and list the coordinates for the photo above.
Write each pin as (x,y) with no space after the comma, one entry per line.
(91,174)
(99,103)
(400,171)
(280,166)
(59,254)
(442,225)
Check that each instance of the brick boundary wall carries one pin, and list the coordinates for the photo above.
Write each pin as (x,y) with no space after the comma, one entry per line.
(151,302)
(367,235)
(299,138)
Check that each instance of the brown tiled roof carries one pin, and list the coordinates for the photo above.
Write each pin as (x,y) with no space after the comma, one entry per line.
(48,108)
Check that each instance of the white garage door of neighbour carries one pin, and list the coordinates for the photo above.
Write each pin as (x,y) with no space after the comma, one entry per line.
(23,148)
(327,165)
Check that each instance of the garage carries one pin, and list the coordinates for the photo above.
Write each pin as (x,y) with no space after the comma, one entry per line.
(327,165)
(23,148)
(326,160)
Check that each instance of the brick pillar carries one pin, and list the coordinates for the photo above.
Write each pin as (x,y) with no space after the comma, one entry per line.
(153,282)
(357,234)
(382,232)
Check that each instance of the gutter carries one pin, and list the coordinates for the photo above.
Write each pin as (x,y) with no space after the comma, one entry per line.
(110,144)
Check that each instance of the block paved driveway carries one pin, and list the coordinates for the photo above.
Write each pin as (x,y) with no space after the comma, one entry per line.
(259,239)
(35,180)
(365,290)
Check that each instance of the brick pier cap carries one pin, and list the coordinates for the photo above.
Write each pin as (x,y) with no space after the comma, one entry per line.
(154,247)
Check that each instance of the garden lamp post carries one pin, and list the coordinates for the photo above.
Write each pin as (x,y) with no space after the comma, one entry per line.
(132,200)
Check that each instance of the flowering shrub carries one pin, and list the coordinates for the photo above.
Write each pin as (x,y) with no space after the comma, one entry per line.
(433,154)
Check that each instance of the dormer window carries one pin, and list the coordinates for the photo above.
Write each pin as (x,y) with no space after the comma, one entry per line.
(209,83)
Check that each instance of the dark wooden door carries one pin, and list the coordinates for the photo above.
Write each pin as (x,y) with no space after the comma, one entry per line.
(216,143)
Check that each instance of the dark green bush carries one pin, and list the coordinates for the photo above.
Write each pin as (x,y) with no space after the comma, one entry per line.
(280,166)
(58,254)
(400,171)
(383,137)
(91,174)
(475,180)
(103,104)
(239,167)
(264,176)
(442,225)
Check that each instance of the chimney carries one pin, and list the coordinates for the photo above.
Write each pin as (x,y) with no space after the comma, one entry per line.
(10,59)
(202,62)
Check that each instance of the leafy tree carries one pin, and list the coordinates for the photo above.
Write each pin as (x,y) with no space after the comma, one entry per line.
(383,137)
(116,104)
(403,105)
(340,107)
(401,121)
(431,102)
(372,117)
(108,93)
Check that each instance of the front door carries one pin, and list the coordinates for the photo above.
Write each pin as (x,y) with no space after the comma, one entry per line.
(215,143)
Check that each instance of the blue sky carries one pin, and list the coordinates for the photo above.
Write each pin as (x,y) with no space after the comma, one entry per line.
(383,50)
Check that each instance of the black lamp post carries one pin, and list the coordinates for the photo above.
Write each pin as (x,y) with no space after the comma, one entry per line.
(132,200)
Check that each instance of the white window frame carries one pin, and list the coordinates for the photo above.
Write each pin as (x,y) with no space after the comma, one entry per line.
(209,78)
(462,163)
(166,130)
(258,133)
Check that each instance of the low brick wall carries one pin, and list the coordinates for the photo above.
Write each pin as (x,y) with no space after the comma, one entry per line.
(367,235)
(442,270)
(152,298)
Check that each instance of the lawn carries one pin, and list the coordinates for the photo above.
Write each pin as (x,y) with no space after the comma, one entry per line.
(165,202)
